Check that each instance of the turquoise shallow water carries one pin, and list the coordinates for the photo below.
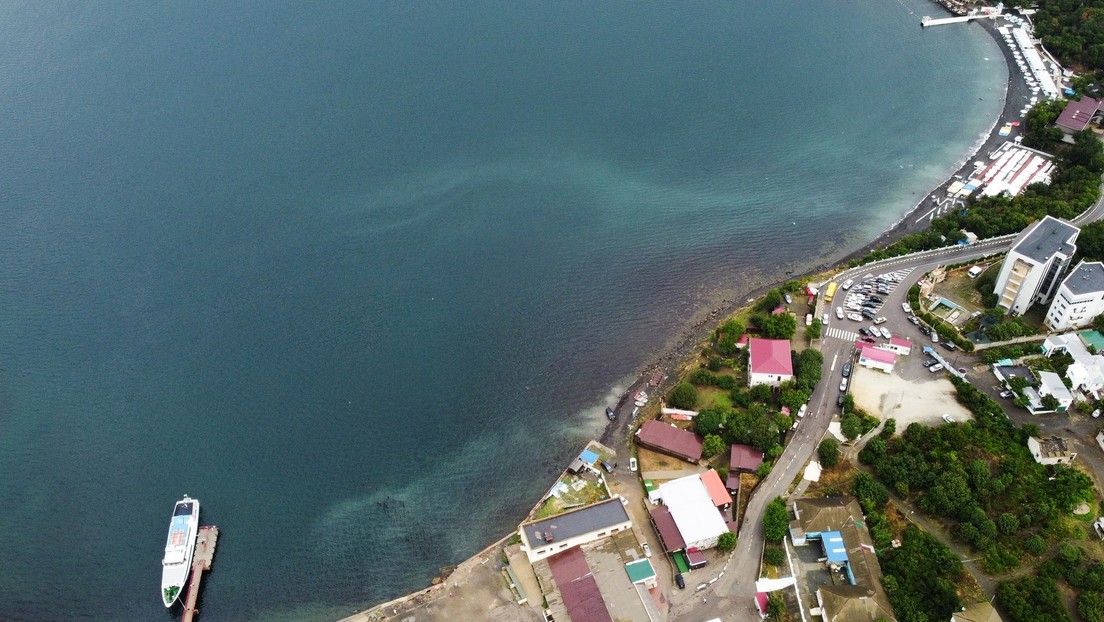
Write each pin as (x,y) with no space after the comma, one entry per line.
(357,278)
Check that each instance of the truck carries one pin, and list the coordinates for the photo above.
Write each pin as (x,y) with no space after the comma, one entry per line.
(831,291)
(975,271)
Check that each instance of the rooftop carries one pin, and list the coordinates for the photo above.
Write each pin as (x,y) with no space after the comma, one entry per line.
(879,355)
(577,586)
(1078,114)
(692,508)
(670,439)
(744,458)
(640,570)
(1086,278)
(771,356)
(1047,237)
(716,488)
(667,529)
(576,522)
(1052,447)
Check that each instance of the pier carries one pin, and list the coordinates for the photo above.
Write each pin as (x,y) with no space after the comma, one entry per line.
(939,21)
(201,562)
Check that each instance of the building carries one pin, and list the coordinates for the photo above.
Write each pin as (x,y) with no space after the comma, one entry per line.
(693,511)
(642,572)
(1050,451)
(876,358)
(712,480)
(1050,383)
(770,362)
(666,529)
(546,537)
(898,345)
(1079,298)
(836,523)
(671,440)
(744,459)
(977,612)
(1078,115)
(578,587)
(1031,271)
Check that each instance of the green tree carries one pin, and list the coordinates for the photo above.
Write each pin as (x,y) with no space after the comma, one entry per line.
(812,331)
(1050,402)
(1032,599)
(889,428)
(727,336)
(780,326)
(712,446)
(1069,553)
(684,396)
(776,520)
(726,542)
(774,556)
(851,426)
(1091,606)
(710,421)
(829,453)
(1008,523)
(1035,545)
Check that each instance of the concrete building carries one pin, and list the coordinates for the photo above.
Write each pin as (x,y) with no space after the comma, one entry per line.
(977,612)
(898,345)
(642,572)
(877,358)
(699,522)
(579,590)
(1078,114)
(770,362)
(1050,383)
(1079,298)
(546,537)
(836,524)
(1031,271)
(1050,451)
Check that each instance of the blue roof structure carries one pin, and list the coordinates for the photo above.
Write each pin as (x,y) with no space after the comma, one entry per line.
(833,547)
(588,456)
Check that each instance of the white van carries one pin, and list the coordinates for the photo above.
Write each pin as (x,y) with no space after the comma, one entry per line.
(974,272)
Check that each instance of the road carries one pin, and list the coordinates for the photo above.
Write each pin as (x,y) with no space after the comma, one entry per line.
(731,597)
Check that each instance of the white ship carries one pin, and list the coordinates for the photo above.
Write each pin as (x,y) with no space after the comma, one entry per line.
(175,567)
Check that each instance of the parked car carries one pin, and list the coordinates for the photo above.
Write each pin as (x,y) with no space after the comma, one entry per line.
(610,414)
(843,385)
(877,299)
(880,320)
(680,582)
(949,345)
(647,550)
(948,418)
(868,339)
(864,332)
(839,400)
(886,333)
(802,410)
(935,368)
(854,317)
(846,370)
(606,466)
(934,337)
(824,320)
(788,299)
(926,331)
(839,313)
(1010,394)
(929,362)
(914,320)
(794,426)
(632,464)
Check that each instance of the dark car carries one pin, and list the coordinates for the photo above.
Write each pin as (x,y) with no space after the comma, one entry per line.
(680,582)
(929,362)
(606,466)
(949,345)
(868,339)
(864,332)
(846,369)
(877,299)
(610,414)
(926,331)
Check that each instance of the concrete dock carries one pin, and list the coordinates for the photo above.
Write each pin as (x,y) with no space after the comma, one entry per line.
(202,559)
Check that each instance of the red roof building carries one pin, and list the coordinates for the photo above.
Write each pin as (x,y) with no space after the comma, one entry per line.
(1078,114)
(577,587)
(770,362)
(668,531)
(877,358)
(744,458)
(668,439)
(716,488)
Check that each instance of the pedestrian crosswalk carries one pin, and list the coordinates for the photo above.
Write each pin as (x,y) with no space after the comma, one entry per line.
(839,333)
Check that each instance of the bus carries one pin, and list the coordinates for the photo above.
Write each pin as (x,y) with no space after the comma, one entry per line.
(831,291)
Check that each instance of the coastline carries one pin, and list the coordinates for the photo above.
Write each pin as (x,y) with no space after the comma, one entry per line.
(670,358)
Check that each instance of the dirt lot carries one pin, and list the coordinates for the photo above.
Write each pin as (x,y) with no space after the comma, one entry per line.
(889,395)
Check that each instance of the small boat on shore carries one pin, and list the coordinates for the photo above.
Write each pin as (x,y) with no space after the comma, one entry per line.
(179,547)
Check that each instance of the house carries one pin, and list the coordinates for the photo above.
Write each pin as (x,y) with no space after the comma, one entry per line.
(855,593)
(1078,114)
(671,440)
(743,459)
(578,587)
(641,571)
(977,612)
(876,358)
(546,537)
(1086,373)
(1033,267)
(1079,298)
(1050,383)
(666,529)
(770,362)
(712,480)
(898,345)
(1050,451)
(693,511)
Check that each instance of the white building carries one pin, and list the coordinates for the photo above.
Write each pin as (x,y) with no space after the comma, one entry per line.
(1050,451)
(1031,271)
(1086,373)
(769,362)
(692,508)
(1079,298)
(877,358)
(1050,383)
(544,538)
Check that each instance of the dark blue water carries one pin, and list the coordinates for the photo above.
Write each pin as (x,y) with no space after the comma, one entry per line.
(361,275)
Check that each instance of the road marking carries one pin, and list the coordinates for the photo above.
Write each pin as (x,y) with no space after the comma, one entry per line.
(834,358)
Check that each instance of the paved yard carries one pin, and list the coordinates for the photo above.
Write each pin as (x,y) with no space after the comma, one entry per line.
(923,399)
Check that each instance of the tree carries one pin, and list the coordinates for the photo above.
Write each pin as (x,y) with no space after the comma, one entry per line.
(770,301)
(776,607)
(812,331)
(828,451)
(851,426)
(727,336)
(712,446)
(1069,553)
(726,542)
(1050,402)
(710,421)
(776,520)
(1008,523)
(684,396)
(1032,599)
(1091,606)
(774,556)
(889,428)
(1035,545)
(780,326)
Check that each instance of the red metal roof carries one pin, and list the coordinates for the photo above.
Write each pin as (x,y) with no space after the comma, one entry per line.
(716,488)
(669,439)
(667,529)
(1077,114)
(771,356)
(900,342)
(577,587)
(879,356)
(744,458)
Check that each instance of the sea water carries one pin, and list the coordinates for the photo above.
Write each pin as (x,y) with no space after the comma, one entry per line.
(361,276)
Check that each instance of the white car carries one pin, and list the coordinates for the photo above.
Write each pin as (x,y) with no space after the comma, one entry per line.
(905,307)
(843,385)
(886,333)
(880,320)
(824,320)
(848,283)
(855,317)
(802,410)
(936,367)
(647,549)
(632,464)
(788,299)
(839,313)
(948,418)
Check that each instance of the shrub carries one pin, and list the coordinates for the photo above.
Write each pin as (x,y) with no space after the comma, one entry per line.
(726,542)
(776,520)
(684,396)
(712,446)
(829,453)
(774,556)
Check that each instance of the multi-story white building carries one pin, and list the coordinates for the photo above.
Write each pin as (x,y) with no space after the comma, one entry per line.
(1079,298)
(1031,271)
